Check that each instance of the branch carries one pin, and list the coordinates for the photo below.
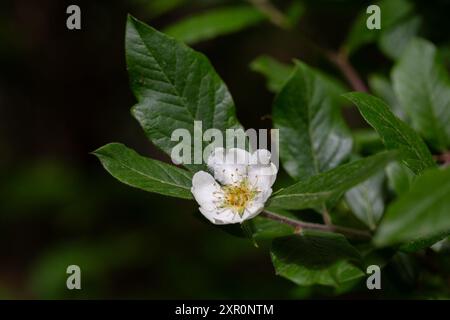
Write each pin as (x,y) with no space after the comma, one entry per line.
(341,61)
(275,16)
(299,225)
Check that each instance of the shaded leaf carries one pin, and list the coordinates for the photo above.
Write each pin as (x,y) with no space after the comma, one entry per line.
(422,86)
(316,258)
(366,200)
(214,23)
(421,213)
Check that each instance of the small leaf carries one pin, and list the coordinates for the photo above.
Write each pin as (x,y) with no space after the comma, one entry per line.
(394,40)
(423,88)
(158,7)
(277,73)
(315,190)
(366,200)
(395,133)
(214,23)
(147,174)
(421,213)
(313,136)
(392,11)
(316,258)
(174,85)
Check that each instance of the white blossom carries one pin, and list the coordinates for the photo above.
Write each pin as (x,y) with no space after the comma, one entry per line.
(239,188)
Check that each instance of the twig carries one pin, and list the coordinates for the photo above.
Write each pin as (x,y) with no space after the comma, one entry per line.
(275,16)
(341,61)
(339,58)
(443,158)
(299,225)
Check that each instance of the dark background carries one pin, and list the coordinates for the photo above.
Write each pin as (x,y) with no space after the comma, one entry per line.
(65,93)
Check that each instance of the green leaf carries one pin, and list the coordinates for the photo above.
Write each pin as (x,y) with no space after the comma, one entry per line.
(394,133)
(147,174)
(174,85)
(313,135)
(315,190)
(420,213)
(392,11)
(366,200)
(400,177)
(213,23)
(394,40)
(277,73)
(382,88)
(423,88)
(158,7)
(424,242)
(316,258)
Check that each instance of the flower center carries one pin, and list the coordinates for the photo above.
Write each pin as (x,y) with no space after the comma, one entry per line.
(237,196)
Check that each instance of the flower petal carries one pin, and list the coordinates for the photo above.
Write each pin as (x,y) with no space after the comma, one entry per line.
(261,176)
(229,166)
(206,190)
(260,156)
(221,216)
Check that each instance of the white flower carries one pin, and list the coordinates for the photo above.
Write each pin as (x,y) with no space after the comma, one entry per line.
(240,187)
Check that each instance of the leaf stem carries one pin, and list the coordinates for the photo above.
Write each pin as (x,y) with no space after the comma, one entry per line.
(299,225)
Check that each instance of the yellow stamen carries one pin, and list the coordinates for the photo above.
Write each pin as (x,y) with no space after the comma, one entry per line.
(237,196)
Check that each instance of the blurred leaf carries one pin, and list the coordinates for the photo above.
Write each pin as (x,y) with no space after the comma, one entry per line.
(400,177)
(96,259)
(366,141)
(382,87)
(313,135)
(295,12)
(423,242)
(277,73)
(214,23)
(159,7)
(144,173)
(420,213)
(423,87)
(392,11)
(315,190)
(366,200)
(395,133)
(406,268)
(394,40)
(316,258)
(175,86)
